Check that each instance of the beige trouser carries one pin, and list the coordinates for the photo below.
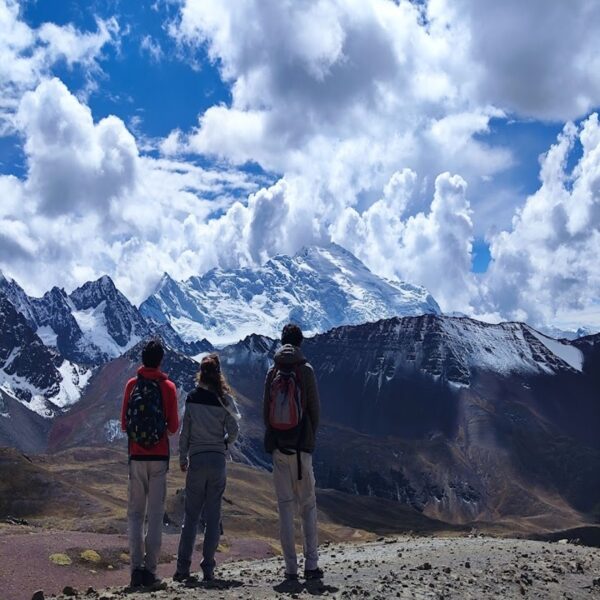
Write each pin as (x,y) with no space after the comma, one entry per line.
(291,492)
(147,492)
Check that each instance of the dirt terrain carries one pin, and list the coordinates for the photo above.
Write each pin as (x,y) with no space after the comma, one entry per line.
(63,523)
(407,567)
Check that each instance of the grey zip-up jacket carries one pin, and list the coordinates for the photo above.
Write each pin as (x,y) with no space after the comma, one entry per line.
(207,425)
(291,357)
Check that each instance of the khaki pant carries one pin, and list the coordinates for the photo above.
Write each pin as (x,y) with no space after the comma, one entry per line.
(292,492)
(147,492)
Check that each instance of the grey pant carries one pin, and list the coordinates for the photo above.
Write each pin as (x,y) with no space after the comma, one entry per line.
(204,489)
(147,492)
(291,492)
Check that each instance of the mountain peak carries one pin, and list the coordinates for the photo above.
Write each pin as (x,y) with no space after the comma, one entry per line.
(319,287)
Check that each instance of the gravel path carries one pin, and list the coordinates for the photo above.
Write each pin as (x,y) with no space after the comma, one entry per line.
(419,568)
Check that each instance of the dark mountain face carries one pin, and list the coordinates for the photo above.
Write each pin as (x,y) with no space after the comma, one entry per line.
(459,419)
(23,356)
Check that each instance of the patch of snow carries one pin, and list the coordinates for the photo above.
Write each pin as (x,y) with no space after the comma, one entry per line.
(566,352)
(92,322)
(74,380)
(11,357)
(38,403)
(47,335)
(198,357)
(113,432)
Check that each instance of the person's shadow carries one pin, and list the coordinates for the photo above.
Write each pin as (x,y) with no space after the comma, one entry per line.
(213,584)
(315,587)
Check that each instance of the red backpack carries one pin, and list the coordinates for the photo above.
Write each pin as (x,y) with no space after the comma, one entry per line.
(286,402)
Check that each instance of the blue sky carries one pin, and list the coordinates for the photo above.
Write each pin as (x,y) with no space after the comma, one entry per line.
(343,142)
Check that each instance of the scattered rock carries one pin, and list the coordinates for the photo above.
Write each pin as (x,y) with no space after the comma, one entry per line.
(15,521)
(39,595)
(69,591)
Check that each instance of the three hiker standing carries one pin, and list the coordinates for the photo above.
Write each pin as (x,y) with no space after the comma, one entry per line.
(291,414)
(148,415)
(209,425)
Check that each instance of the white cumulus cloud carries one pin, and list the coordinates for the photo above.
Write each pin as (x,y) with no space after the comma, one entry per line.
(27,54)
(547,265)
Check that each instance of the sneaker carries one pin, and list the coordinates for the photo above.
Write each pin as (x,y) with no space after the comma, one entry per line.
(149,579)
(180,577)
(291,576)
(137,578)
(313,573)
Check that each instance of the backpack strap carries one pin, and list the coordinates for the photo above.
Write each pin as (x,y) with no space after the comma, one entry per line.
(302,423)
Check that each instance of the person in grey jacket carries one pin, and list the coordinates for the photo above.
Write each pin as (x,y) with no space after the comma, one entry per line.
(210,424)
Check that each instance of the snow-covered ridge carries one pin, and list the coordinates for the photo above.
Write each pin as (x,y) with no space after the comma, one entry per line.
(453,348)
(30,372)
(48,402)
(93,324)
(319,288)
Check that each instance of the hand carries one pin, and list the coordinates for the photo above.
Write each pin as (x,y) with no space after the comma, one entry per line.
(183,467)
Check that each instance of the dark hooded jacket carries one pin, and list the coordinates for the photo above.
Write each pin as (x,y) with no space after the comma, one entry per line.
(286,357)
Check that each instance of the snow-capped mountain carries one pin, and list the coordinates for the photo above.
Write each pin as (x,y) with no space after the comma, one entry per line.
(318,288)
(30,372)
(106,318)
(93,324)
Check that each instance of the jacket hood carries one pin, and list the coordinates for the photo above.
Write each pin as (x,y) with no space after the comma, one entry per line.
(150,373)
(289,355)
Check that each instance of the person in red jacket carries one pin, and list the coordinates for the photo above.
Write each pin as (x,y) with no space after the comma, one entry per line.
(148,465)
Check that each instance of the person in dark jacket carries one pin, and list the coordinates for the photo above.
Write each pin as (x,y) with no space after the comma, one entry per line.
(293,474)
(148,468)
(210,424)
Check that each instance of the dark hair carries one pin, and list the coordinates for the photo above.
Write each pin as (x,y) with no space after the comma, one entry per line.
(292,334)
(211,376)
(152,354)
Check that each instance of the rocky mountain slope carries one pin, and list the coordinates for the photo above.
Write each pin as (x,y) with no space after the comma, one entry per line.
(460,419)
(457,419)
(318,288)
(32,374)
(93,324)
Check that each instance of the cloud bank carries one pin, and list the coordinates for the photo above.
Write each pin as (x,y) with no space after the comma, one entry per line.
(373,114)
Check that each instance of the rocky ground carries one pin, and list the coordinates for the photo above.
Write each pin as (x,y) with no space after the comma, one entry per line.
(406,567)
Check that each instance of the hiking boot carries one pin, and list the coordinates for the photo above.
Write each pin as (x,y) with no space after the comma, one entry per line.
(313,573)
(291,576)
(149,579)
(137,578)
(180,577)
(209,574)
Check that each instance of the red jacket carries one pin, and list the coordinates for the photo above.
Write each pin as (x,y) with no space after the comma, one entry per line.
(169,397)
